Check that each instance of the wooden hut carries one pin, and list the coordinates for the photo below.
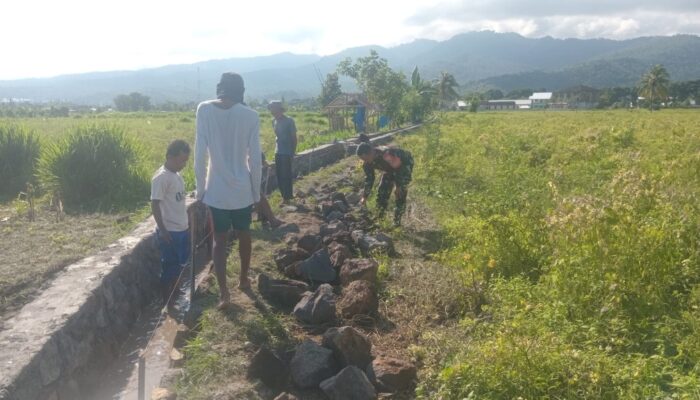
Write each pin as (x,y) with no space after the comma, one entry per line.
(344,109)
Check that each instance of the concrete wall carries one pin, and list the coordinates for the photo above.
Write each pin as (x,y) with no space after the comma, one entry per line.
(60,343)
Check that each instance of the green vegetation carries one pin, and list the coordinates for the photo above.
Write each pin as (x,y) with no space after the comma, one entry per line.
(578,241)
(96,167)
(19,151)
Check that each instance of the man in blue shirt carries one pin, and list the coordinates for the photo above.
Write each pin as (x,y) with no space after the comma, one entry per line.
(286,145)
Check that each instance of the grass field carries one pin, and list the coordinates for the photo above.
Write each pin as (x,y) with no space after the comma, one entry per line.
(577,236)
(156,130)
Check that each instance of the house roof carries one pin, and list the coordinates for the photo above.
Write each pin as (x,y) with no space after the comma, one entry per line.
(541,96)
(350,100)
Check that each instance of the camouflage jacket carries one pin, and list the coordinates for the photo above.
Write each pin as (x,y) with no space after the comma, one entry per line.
(401,176)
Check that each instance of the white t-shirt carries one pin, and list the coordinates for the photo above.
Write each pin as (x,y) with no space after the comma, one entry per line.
(169,187)
(230,140)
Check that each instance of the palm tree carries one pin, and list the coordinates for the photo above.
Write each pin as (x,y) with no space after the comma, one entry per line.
(445,88)
(654,85)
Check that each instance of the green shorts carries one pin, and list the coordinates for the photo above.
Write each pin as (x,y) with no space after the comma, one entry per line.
(239,219)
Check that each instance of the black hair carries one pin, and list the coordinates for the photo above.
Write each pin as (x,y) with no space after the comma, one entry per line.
(363,149)
(230,87)
(363,138)
(177,147)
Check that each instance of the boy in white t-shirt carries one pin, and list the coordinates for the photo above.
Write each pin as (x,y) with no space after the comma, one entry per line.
(170,212)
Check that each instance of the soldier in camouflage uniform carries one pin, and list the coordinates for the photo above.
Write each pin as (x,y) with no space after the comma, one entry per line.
(397,165)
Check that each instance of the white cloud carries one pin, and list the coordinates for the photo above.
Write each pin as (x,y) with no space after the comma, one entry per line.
(46,37)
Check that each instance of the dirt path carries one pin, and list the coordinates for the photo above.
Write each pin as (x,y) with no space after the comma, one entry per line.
(412,303)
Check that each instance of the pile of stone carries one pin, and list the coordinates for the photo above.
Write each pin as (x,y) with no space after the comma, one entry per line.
(342,366)
(331,277)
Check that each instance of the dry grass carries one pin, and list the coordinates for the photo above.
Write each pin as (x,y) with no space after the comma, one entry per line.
(32,252)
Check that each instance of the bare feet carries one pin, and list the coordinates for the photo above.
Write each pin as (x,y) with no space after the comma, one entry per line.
(224,301)
(244,284)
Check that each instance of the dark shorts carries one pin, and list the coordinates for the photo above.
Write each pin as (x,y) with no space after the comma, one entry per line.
(174,256)
(239,219)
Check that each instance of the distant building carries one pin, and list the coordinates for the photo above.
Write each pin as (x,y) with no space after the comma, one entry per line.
(497,105)
(541,99)
(523,104)
(461,105)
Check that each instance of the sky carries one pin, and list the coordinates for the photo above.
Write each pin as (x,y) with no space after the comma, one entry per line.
(47,38)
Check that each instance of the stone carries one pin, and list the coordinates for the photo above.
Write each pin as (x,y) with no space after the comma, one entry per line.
(353,198)
(285,229)
(163,394)
(269,368)
(342,237)
(317,307)
(282,291)
(391,374)
(340,206)
(311,365)
(339,253)
(310,243)
(318,268)
(334,215)
(333,227)
(285,257)
(286,396)
(349,346)
(339,196)
(356,269)
(358,299)
(369,244)
(350,384)
(289,209)
(293,271)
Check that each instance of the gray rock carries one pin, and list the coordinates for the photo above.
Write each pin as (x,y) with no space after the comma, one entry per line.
(339,253)
(285,229)
(285,257)
(358,298)
(357,269)
(282,291)
(311,365)
(340,206)
(269,368)
(349,346)
(369,244)
(352,198)
(339,196)
(317,307)
(350,384)
(310,243)
(391,374)
(332,228)
(318,268)
(334,215)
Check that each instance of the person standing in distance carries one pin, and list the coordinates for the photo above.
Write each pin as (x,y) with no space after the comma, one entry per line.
(285,148)
(228,170)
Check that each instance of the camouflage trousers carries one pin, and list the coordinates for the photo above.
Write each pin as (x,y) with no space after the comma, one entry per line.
(386,184)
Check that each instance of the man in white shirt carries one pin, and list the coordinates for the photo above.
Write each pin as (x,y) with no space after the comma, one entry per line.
(228,136)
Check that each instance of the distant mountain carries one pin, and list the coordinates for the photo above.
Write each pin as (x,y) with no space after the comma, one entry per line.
(478,60)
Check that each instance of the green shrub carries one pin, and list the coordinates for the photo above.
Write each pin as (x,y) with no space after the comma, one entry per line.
(95,168)
(19,151)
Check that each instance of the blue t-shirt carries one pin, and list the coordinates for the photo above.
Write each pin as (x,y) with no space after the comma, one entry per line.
(285,129)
